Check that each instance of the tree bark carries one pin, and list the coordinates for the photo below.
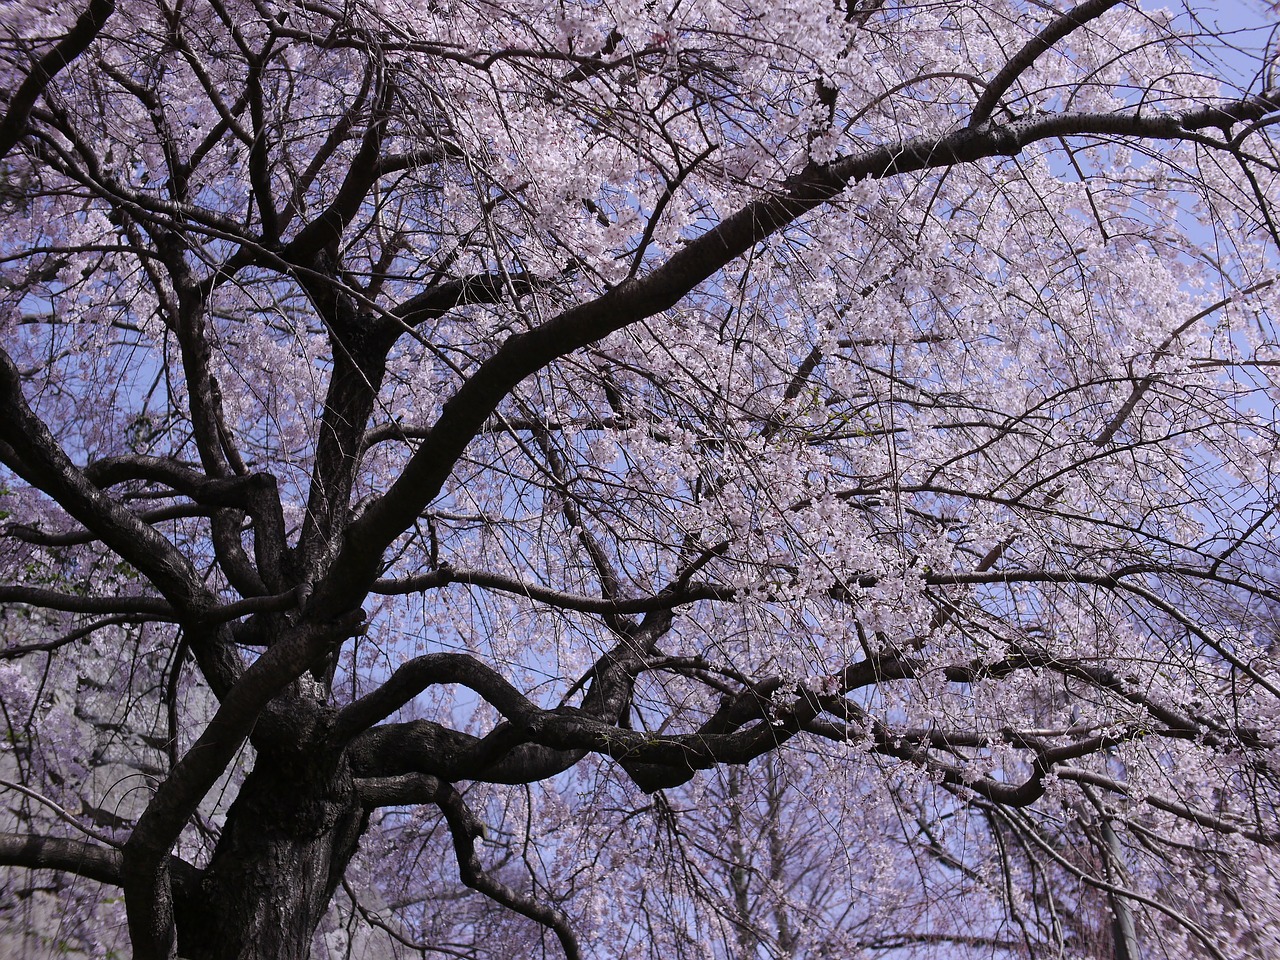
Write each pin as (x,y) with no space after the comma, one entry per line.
(287,841)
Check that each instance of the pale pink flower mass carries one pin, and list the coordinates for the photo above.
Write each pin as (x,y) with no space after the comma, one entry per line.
(647,479)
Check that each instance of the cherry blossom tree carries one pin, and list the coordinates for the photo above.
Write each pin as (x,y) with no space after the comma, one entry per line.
(731,477)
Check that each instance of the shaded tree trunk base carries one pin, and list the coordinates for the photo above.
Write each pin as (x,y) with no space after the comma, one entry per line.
(287,842)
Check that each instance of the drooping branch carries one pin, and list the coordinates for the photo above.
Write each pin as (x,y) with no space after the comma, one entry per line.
(1263,833)
(464,827)
(15,651)
(1140,387)
(402,751)
(1027,829)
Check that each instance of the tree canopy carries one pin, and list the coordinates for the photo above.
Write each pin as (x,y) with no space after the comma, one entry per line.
(640,479)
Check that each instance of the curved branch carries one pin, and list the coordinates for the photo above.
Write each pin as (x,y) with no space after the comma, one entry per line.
(1225,115)
(29,449)
(1068,23)
(85,30)
(59,811)
(214,492)
(422,672)
(605,703)
(464,827)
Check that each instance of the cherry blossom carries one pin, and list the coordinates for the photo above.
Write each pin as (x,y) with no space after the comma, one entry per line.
(648,479)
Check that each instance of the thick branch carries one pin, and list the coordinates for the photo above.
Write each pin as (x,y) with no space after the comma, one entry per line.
(218,492)
(92,861)
(81,857)
(41,462)
(85,30)
(75,603)
(384,754)
(67,538)
(559,599)
(426,671)
(523,354)
(438,300)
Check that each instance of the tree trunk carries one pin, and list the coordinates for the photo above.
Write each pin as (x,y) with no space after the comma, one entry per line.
(287,841)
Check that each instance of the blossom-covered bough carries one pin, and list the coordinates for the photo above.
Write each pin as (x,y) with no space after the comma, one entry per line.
(775,479)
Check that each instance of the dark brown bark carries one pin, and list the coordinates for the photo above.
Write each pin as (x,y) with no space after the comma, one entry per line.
(288,839)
